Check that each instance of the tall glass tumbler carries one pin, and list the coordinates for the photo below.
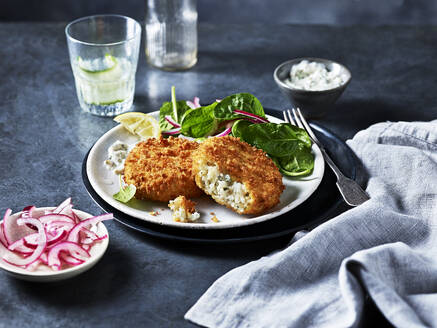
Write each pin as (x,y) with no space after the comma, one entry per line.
(104,54)
(171,33)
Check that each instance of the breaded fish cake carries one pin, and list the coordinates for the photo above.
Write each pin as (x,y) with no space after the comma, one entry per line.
(161,169)
(237,175)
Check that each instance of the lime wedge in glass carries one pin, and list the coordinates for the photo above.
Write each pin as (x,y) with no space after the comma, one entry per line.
(104,81)
(97,65)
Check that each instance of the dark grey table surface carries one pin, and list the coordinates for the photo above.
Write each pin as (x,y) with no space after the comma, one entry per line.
(44,137)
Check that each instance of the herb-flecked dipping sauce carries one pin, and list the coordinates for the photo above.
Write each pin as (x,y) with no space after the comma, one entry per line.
(314,76)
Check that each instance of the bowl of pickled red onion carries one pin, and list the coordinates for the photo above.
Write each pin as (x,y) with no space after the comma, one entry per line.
(51,243)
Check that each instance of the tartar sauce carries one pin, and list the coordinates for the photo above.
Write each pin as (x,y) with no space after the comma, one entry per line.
(315,76)
(117,154)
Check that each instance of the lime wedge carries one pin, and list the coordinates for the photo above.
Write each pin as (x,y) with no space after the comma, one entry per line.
(105,80)
(98,65)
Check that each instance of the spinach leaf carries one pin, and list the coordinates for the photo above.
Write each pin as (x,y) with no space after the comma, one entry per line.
(199,122)
(277,140)
(126,193)
(239,126)
(243,101)
(298,164)
(288,146)
(167,109)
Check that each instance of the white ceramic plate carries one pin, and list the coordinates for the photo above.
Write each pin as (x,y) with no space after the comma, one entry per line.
(106,183)
(45,274)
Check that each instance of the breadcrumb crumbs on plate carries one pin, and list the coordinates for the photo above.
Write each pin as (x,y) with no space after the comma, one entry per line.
(214,219)
(183,209)
(154,213)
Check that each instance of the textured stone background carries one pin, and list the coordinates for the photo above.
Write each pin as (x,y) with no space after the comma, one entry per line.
(343,12)
(44,137)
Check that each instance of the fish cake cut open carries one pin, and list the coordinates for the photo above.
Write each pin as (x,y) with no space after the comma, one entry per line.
(161,169)
(237,175)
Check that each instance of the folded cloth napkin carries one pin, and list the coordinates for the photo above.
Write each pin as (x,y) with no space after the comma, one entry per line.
(385,248)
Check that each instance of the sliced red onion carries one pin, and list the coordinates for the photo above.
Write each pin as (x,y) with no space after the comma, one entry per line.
(67,210)
(70,259)
(33,248)
(194,104)
(21,247)
(55,225)
(11,230)
(3,240)
(20,261)
(224,133)
(33,240)
(218,100)
(28,212)
(172,131)
(170,120)
(33,266)
(75,217)
(44,258)
(71,248)
(46,219)
(62,205)
(74,233)
(254,116)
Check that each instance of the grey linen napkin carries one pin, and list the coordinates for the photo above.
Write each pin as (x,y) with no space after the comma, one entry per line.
(386,248)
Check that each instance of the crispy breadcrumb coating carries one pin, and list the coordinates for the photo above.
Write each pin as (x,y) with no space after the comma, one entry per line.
(183,209)
(237,175)
(161,169)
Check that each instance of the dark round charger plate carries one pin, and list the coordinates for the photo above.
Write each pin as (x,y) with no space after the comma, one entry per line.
(319,207)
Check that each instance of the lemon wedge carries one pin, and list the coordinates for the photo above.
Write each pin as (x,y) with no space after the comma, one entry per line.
(140,124)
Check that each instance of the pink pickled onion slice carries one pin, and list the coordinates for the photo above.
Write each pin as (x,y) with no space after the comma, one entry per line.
(67,210)
(44,258)
(20,247)
(194,104)
(71,248)
(33,266)
(224,133)
(28,212)
(20,261)
(172,131)
(254,116)
(75,217)
(55,225)
(70,259)
(170,120)
(55,217)
(11,230)
(74,233)
(2,236)
(61,206)
(33,240)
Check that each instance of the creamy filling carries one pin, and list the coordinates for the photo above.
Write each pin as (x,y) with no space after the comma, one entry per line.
(221,187)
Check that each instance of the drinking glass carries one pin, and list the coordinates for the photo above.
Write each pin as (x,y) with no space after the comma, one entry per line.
(171,33)
(104,54)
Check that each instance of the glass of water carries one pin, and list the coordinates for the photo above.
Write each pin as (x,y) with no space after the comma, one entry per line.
(104,54)
(171,33)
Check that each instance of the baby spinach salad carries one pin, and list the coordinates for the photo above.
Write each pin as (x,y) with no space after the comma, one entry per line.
(242,116)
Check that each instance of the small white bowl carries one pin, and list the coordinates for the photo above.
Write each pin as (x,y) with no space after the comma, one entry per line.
(45,274)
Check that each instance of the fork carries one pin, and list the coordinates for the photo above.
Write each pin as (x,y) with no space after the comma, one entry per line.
(349,189)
